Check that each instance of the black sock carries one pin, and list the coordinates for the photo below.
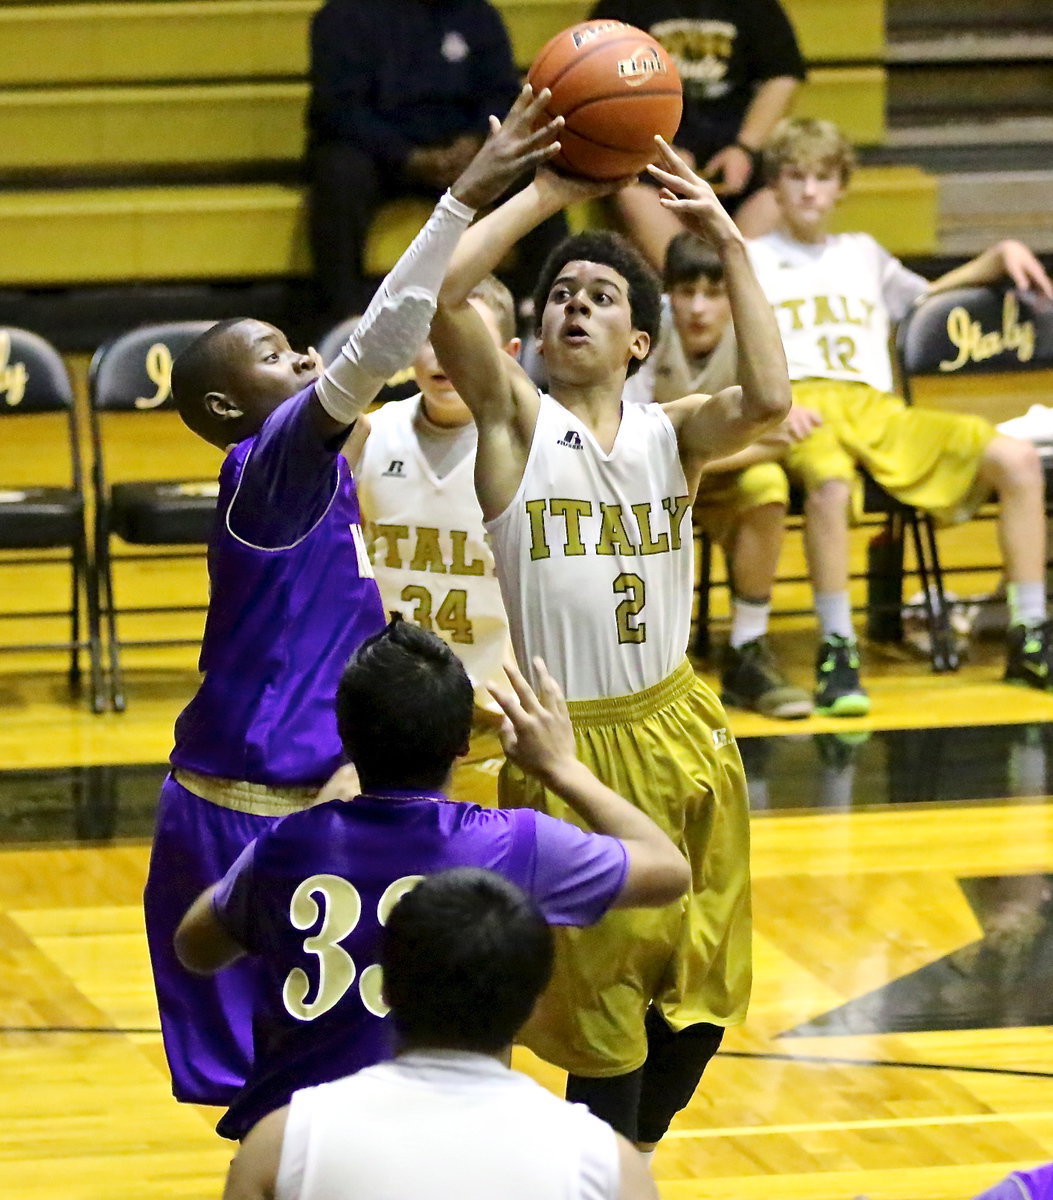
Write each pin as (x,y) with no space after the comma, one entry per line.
(674,1066)
(615,1099)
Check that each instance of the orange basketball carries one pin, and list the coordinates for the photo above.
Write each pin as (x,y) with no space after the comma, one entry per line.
(616,88)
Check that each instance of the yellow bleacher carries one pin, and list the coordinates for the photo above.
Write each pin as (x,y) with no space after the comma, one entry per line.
(100,91)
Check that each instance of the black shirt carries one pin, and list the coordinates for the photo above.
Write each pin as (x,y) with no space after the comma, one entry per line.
(723,49)
(393,75)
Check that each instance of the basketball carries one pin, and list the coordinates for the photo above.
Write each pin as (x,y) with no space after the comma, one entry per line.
(615,87)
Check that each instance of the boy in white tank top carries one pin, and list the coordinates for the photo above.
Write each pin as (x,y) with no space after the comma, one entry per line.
(588,505)
(835,297)
(414,463)
(465,955)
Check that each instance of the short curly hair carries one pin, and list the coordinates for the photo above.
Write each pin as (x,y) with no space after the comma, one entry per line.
(612,250)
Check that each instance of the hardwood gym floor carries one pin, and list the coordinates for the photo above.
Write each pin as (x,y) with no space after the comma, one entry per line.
(898,1043)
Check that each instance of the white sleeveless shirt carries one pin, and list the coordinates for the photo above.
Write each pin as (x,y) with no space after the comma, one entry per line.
(429,550)
(443,1125)
(595,553)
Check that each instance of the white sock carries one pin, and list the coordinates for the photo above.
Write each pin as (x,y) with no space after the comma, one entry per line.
(647,1156)
(1027,603)
(834,611)
(749,621)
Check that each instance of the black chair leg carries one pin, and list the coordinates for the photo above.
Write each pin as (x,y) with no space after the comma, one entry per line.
(701,645)
(95,655)
(105,567)
(943,652)
(77,563)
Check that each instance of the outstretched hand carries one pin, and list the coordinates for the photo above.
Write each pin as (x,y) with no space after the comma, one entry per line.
(536,732)
(521,142)
(691,198)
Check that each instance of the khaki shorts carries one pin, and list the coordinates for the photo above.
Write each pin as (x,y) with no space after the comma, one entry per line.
(925,458)
(724,499)
(669,750)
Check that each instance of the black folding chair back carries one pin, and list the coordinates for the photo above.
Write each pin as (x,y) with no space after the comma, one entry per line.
(42,505)
(133,424)
(965,332)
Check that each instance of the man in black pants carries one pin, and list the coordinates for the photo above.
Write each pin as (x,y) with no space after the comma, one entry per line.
(401,94)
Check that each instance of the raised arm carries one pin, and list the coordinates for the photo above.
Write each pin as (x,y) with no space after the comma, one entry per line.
(502,397)
(396,322)
(537,735)
(720,425)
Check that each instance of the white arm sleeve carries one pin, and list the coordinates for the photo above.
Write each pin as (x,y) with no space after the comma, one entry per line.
(398,318)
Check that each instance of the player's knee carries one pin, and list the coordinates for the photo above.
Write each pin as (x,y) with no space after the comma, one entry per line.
(1012,462)
(828,498)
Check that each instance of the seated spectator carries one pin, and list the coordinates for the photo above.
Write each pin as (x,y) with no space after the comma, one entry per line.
(741,500)
(835,297)
(310,896)
(740,66)
(401,91)
(465,955)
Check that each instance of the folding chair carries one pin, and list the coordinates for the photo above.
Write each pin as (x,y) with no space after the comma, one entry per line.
(131,409)
(36,402)
(972,331)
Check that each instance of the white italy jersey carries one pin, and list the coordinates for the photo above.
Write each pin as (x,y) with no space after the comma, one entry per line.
(595,553)
(834,302)
(429,549)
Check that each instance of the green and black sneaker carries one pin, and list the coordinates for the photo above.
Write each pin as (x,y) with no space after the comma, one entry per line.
(838,692)
(1029,657)
(750,678)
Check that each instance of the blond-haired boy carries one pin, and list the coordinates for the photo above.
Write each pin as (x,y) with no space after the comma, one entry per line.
(835,297)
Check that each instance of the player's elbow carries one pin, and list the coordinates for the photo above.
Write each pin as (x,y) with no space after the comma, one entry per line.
(655,878)
(770,402)
(203,947)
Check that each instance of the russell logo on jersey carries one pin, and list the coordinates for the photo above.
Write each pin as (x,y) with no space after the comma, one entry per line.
(572,439)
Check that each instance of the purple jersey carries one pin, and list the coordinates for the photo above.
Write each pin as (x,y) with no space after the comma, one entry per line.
(310,897)
(292,596)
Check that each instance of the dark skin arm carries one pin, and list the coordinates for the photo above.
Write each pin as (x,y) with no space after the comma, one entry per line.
(202,943)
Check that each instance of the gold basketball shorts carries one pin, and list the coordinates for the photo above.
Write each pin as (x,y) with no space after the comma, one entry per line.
(670,752)
(926,458)
(724,499)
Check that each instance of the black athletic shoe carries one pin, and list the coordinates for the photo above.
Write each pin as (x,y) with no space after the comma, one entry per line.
(1029,657)
(751,678)
(838,692)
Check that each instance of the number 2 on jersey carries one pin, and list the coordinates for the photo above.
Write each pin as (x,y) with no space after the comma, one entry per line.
(632,588)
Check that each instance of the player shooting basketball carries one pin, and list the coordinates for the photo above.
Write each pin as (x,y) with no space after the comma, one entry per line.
(587,503)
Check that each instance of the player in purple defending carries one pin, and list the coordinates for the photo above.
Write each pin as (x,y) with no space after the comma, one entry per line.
(309,897)
(292,595)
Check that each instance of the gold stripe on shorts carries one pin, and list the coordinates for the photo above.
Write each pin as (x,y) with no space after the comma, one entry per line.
(255,798)
(637,706)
